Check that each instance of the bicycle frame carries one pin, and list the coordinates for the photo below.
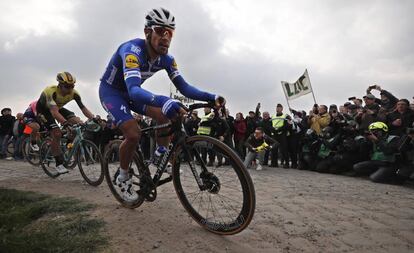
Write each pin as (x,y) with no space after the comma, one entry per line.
(76,142)
(179,139)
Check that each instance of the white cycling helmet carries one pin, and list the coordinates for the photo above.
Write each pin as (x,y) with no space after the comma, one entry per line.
(161,17)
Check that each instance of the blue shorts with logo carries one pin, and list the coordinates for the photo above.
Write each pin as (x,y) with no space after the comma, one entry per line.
(118,104)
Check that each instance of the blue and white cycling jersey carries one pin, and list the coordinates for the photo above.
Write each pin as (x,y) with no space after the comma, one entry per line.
(130,66)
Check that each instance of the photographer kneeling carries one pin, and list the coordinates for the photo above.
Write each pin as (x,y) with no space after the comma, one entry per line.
(257,144)
(382,167)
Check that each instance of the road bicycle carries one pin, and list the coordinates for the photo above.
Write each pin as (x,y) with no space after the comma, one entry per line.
(221,199)
(76,151)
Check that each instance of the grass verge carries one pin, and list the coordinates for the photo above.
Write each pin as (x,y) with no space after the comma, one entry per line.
(33,222)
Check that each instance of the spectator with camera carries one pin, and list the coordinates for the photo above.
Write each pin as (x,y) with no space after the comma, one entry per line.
(400,119)
(266,125)
(337,119)
(382,166)
(387,101)
(252,120)
(319,118)
(257,144)
(368,114)
(330,140)
(309,148)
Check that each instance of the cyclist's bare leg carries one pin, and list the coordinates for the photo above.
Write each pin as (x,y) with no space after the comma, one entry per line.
(132,134)
(156,114)
(34,136)
(56,134)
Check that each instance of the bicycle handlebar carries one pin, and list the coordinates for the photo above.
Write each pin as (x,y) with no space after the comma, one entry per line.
(175,125)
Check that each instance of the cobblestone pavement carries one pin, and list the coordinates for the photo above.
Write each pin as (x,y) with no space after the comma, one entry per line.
(297,211)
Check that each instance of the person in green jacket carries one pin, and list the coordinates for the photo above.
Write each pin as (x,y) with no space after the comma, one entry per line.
(382,167)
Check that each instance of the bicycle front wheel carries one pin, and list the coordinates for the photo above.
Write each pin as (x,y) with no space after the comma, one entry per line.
(47,160)
(90,162)
(219,198)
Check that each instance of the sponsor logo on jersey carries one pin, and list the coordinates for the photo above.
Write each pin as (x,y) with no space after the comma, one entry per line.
(124,109)
(135,49)
(131,61)
(174,64)
(132,73)
(174,74)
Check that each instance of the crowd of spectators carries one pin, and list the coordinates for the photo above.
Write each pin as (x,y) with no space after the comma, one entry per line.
(369,136)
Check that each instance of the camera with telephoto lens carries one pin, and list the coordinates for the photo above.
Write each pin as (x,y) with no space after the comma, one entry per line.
(315,109)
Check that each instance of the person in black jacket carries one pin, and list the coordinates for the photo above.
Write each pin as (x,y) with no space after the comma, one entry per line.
(191,123)
(215,126)
(387,101)
(18,128)
(400,119)
(257,143)
(266,124)
(222,131)
(6,130)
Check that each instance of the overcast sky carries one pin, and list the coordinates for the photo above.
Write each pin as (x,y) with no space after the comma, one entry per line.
(241,49)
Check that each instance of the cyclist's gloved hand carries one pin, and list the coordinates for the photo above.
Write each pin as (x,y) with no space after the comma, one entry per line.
(66,124)
(171,108)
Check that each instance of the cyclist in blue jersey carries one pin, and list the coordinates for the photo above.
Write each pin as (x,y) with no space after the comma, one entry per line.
(120,90)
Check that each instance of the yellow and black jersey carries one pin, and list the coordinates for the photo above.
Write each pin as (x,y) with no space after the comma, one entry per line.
(52,97)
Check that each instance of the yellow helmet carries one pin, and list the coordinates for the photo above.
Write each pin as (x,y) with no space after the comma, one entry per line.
(66,78)
(378,126)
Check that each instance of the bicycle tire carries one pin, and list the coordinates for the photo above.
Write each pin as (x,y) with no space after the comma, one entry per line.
(246,213)
(28,154)
(112,151)
(81,154)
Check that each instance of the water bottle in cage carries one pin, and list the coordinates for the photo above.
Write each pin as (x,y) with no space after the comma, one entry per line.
(158,154)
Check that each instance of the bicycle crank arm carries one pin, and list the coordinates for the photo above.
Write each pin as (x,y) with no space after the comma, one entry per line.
(164,181)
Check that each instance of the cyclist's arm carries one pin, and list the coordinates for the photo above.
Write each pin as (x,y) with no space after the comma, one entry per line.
(83,108)
(87,113)
(54,110)
(185,88)
(190,91)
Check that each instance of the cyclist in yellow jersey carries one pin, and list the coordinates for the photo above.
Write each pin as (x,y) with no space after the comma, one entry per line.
(50,109)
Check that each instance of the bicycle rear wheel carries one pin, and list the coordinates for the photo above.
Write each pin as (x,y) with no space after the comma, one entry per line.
(90,162)
(32,157)
(226,203)
(136,171)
